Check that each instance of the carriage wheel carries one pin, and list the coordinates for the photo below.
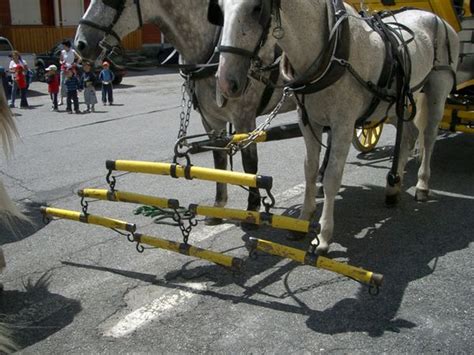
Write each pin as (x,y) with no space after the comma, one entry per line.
(365,139)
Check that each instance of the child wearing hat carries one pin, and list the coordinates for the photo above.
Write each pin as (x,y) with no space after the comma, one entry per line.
(106,77)
(88,80)
(72,86)
(53,80)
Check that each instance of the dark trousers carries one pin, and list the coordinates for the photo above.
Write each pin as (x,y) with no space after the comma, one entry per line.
(72,96)
(23,101)
(107,92)
(54,99)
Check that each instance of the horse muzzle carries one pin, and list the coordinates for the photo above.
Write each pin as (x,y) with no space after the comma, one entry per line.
(231,79)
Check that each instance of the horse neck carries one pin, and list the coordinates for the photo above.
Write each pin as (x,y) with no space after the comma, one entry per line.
(299,18)
(184,25)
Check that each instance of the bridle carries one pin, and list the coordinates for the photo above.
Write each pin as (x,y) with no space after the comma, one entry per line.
(267,8)
(119,7)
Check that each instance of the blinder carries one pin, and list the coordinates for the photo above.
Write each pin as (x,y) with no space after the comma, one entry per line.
(117,5)
(216,16)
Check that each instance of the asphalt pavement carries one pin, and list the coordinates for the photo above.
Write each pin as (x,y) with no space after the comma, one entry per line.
(76,288)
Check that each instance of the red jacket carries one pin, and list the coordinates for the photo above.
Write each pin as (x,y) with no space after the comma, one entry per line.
(20,76)
(53,83)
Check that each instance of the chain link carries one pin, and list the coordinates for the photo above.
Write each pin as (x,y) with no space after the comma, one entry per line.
(186,107)
(233,148)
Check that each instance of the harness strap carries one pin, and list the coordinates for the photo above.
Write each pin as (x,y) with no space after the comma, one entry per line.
(106,29)
(270,88)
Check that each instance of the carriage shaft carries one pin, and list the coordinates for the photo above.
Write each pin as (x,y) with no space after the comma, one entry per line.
(88,218)
(193,172)
(314,260)
(129,197)
(259,218)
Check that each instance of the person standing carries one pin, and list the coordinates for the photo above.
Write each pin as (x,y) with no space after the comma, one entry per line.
(88,80)
(18,69)
(106,77)
(4,80)
(53,80)
(72,85)
(66,59)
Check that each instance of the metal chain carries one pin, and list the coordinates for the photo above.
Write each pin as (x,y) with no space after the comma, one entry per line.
(186,106)
(233,148)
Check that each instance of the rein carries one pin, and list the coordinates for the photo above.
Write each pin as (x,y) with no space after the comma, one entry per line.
(119,7)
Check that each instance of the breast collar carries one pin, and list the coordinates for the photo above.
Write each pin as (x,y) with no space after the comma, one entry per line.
(326,68)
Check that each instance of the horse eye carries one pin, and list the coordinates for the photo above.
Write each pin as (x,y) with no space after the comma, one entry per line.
(257,9)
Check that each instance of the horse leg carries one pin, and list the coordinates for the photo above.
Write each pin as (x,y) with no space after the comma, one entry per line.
(220,162)
(250,163)
(312,136)
(341,142)
(436,90)
(409,135)
(324,165)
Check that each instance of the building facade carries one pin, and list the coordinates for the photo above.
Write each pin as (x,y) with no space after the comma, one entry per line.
(36,25)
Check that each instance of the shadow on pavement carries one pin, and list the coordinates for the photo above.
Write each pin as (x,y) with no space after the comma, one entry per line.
(23,229)
(402,243)
(35,313)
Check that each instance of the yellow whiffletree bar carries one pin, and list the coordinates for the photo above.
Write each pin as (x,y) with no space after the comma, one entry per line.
(88,218)
(129,197)
(311,259)
(233,263)
(252,217)
(191,172)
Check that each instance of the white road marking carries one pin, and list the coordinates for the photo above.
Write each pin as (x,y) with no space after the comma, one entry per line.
(145,314)
(151,311)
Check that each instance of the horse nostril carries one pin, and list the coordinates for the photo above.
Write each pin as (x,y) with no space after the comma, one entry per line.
(81,45)
(233,86)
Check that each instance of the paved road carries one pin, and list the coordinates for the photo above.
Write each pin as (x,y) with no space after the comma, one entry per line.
(74,288)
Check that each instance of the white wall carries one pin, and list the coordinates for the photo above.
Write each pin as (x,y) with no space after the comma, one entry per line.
(25,12)
(71,12)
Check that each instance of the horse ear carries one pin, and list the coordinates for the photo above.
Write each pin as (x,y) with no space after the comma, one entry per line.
(214,13)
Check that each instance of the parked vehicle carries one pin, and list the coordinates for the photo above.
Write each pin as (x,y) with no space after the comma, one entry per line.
(6,49)
(44,60)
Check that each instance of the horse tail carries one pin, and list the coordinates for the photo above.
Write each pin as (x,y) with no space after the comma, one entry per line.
(8,130)
(7,345)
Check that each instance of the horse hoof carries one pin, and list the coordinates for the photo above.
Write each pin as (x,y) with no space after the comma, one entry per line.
(295,236)
(322,249)
(392,200)
(248,227)
(212,221)
(421,195)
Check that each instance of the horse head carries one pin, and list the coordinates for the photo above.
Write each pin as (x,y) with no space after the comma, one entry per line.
(245,26)
(104,24)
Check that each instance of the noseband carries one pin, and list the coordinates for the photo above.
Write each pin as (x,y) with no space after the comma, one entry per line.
(119,7)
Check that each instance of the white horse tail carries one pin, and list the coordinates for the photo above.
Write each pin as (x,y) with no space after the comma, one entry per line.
(8,130)
(6,344)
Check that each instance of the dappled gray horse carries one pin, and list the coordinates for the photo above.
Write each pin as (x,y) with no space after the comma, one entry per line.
(184,25)
(333,58)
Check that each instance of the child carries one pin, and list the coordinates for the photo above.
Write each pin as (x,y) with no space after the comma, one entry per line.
(53,80)
(88,80)
(72,86)
(106,77)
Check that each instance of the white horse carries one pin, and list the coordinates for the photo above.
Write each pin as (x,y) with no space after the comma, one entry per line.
(303,28)
(8,211)
(184,24)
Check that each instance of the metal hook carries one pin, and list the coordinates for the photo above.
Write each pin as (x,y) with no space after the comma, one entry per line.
(139,248)
(111,180)
(267,205)
(85,205)
(374,290)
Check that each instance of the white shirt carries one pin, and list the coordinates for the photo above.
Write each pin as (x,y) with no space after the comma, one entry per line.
(13,65)
(68,56)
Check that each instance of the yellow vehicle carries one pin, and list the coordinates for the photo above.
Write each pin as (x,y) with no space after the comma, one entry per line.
(459,110)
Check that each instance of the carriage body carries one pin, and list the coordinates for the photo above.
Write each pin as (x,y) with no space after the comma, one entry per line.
(459,110)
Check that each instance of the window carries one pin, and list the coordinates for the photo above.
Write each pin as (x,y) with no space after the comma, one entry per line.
(25,12)
(71,12)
